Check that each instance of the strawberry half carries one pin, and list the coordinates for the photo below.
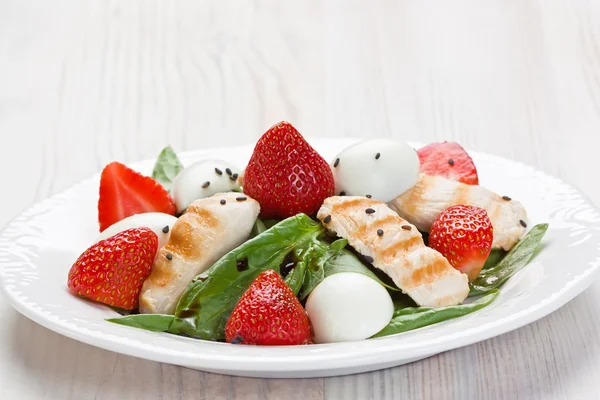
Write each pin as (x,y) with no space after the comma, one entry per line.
(268,313)
(450,160)
(286,175)
(113,270)
(125,192)
(464,235)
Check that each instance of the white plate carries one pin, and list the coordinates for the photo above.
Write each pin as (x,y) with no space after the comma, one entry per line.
(38,248)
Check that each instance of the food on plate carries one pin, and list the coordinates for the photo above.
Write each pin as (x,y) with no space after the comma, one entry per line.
(423,204)
(407,317)
(463,234)
(380,169)
(288,262)
(167,167)
(160,223)
(112,271)
(450,160)
(337,314)
(209,229)
(125,192)
(268,313)
(396,247)
(204,179)
(496,275)
(286,175)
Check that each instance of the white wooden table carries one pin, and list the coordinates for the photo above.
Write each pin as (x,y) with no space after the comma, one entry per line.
(86,82)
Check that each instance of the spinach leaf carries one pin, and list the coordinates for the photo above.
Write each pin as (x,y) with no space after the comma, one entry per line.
(409,318)
(496,255)
(150,322)
(336,259)
(206,304)
(167,167)
(494,277)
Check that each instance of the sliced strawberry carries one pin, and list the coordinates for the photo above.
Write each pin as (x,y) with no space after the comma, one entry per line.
(286,175)
(464,235)
(450,160)
(268,313)
(113,270)
(125,192)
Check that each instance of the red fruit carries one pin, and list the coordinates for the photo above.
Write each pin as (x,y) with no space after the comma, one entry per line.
(268,313)
(450,160)
(463,234)
(124,192)
(286,175)
(113,270)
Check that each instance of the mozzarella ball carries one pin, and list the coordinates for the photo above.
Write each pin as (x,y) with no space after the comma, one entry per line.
(348,306)
(203,179)
(153,220)
(381,168)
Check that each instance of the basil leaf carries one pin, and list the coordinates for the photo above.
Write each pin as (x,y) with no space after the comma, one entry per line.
(514,261)
(167,167)
(258,228)
(410,318)
(210,298)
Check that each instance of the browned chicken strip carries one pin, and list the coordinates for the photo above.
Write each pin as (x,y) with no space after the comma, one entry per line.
(422,204)
(396,248)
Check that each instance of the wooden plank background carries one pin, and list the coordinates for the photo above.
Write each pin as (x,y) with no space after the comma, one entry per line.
(86,82)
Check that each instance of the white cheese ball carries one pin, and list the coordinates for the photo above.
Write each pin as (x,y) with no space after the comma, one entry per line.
(381,168)
(153,220)
(348,306)
(202,180)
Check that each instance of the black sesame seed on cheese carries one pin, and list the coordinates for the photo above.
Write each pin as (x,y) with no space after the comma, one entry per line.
(379,232)
(506,198)
(406,227)
(232,178)
(451,162)
(523,223)
(369,211)
(342,193)
(368,259)
(377,156)
(223,201)
(336,163)
(235,176)
(241,198)
(327,219)
(169,256)
(218,171)
(166,229)
(205,185)
(228,170)
(368,196)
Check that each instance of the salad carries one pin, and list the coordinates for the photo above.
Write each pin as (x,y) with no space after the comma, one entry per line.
(293,250)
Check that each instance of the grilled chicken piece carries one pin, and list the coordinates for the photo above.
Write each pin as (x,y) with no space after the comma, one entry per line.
(422,204)
(419,271)
(205,233)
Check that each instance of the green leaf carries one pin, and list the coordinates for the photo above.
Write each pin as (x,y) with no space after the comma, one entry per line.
(339,244)
(167,167)
(210,298)
(258,228)
(496,255)
(150,322)
(334,261)
(517,258)
(409,318)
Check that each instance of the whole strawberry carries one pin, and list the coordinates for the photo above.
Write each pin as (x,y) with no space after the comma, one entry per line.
(268,313)
(286,175)
(463,234)
(113,270)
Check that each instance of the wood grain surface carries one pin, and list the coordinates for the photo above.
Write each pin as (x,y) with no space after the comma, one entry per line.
(86,82)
